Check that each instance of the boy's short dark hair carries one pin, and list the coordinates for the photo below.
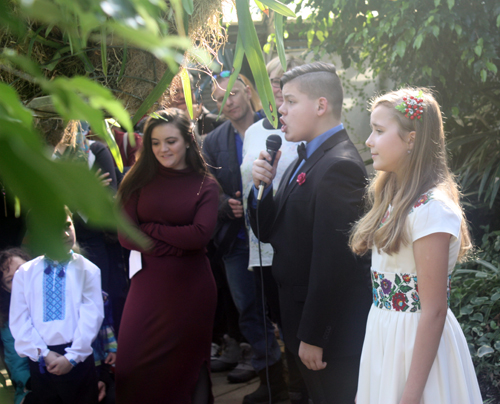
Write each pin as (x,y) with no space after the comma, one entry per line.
(318,79)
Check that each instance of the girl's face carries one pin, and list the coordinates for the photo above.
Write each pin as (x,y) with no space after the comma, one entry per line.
(8,274)
(169,147)
(389,151)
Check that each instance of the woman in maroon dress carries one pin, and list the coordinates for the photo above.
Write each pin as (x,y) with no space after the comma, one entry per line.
(166,330)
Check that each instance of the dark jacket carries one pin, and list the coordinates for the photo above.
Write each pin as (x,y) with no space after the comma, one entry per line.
(219,150)
(324,288)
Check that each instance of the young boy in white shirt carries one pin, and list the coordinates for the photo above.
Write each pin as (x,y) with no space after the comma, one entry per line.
(55,313)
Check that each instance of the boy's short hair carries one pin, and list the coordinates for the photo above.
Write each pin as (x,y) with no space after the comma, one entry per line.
(317,80)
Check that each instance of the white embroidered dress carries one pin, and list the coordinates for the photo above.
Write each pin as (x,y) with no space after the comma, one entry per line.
(393,319)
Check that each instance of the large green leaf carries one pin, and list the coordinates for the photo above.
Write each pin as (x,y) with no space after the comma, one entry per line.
(278,7)
(280,46)
(45,186)
(9,20)
(239,52)
(246,30)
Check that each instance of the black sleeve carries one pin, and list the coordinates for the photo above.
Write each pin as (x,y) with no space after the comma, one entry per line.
(104,161)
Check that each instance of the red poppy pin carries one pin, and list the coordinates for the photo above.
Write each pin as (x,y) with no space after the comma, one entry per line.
(301,178)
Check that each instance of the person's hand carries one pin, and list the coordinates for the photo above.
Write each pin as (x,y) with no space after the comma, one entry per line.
(262,169)
(105,181)
(101,386)
(60,366)
(311,356)
(236,205)
(51,356)
(111,358)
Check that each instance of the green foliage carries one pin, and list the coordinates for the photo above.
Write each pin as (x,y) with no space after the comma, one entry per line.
(475,300)
(44,186)
(451,46)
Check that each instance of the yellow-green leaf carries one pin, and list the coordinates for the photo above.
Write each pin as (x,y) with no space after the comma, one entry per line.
(277,6)
(251,45)
(280,45)
(418,41)
(186,87)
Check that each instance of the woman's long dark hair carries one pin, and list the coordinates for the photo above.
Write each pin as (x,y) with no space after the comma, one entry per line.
(5,257)
(147,165)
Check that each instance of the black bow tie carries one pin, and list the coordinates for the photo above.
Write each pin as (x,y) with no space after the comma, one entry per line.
(301,150)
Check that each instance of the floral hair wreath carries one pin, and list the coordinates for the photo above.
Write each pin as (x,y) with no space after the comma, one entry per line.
(412,107)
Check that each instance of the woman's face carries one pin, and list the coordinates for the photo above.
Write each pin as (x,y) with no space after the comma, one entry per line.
(8,274)
(169,147)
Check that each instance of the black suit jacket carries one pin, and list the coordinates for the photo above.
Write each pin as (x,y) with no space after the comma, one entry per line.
(324,288)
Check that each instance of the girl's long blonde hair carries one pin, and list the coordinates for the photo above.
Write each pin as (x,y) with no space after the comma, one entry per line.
(424,168)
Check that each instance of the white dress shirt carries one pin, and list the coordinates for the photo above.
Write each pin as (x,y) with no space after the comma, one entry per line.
(50,307)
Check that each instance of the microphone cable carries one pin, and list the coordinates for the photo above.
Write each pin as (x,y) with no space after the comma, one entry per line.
(264,315)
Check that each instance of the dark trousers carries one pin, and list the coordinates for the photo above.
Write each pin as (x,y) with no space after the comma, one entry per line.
(336,384)
(79,386)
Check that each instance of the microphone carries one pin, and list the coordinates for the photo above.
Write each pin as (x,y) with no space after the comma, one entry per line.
(273,144)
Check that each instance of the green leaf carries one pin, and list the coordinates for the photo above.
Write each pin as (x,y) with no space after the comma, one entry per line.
(14,109)
(418,41)
(498,20)
(437,2)
(239,52)
(435,30)
(400,48)
(7,19)
(261,6)
(466,310)
(455,111)
(484,350)
(397,280)
(451,3)
(153,96)
(186,87)
(21,62)
(188,6)
(478,50)
(458,29)
(45,186)
(251,45)
(495,296)
(405,288)
(488,265)
(497,345)
(104,51)
(491,67)
(280,45)
(277,6)
(477,317)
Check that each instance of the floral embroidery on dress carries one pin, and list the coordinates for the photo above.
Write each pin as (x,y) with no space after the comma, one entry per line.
(398,291)
(422,200)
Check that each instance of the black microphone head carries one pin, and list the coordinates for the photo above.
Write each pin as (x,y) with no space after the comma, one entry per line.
(273,142)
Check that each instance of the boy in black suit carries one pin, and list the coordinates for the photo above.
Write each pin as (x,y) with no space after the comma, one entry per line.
(324,289)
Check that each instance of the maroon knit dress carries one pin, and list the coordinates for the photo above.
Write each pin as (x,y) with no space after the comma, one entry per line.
(166,328)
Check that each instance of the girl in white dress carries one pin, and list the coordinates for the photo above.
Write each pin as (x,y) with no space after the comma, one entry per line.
(414,350)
